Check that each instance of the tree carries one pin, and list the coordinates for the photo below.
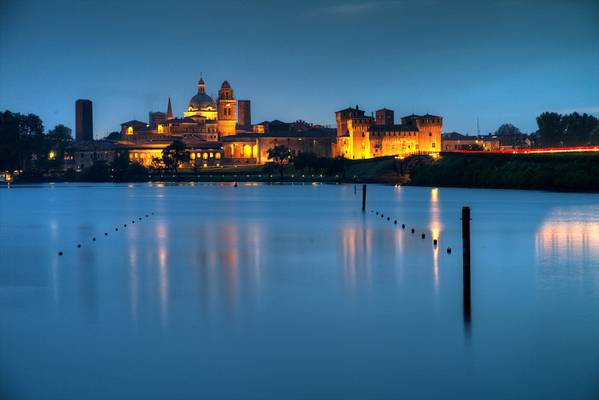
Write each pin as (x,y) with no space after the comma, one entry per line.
(551,130)
(578,128)
(338,166)
(157,163)
(123,170)
(60,139)
(305,161)
(10,152)
(100,171)
(507,129)
(173,155)
(280,155)
(113,136)
(594,136)
(31,124)
(22,140)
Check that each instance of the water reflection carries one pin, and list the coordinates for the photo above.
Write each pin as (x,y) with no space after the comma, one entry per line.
(133,282)
(565,237)
(435,228)
(569,237)
(88,281)
(467,303)
(163,281)
(221,258)
(226,263)
(356,247)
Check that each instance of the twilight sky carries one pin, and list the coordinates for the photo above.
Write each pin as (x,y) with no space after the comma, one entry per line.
(501,61)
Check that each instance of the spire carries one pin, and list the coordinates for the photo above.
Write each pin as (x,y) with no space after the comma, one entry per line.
(169,110)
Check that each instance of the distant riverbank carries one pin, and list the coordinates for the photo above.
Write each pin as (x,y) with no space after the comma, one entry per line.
(555,172)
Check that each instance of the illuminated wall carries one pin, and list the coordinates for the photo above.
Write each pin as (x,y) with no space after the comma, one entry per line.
(359,132)
(358,137)
(145,156)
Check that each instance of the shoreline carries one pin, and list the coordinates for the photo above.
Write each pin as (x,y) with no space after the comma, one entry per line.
(292,181)
(567,173)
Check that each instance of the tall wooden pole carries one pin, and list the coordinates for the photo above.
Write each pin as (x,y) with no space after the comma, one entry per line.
(363,198)
(466,262)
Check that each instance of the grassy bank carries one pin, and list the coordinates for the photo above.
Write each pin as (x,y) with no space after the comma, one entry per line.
(557,172)
(380,170)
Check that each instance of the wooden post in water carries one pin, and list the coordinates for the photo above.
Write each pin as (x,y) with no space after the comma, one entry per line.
(363,198)
(466,261)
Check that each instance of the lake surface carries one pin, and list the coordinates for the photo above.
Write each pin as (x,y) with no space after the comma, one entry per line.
(291,292)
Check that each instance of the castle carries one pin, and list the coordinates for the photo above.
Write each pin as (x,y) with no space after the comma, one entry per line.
(360,136)
(219,132)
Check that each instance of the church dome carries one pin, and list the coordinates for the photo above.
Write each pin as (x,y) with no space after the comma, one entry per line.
(201,101)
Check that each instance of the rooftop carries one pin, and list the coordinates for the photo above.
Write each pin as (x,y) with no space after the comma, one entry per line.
(394,128)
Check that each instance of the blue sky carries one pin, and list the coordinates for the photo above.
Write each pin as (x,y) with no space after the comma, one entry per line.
(500,61)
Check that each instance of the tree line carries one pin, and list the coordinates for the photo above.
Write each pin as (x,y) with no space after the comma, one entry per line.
(25,146)
(557,130)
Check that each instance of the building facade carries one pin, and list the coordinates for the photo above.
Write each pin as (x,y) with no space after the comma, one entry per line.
(455,141)
(360,136)
(219,132)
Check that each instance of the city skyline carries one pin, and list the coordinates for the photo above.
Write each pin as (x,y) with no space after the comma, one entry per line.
(500,62)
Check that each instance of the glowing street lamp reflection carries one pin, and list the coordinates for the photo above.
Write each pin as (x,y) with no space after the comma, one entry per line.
(435,227)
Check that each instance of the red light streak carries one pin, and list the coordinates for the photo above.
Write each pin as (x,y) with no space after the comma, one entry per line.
(539,150)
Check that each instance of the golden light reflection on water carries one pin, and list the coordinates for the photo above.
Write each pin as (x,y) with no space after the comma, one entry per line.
(133,282)
(223,262)
(163,280)
(565,237)
(229,235)
(435,227)
(356,249)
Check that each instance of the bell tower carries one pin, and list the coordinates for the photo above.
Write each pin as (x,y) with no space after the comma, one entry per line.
(227,110)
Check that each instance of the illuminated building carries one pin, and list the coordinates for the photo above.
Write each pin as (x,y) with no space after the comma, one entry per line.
(252,148)
(218,132)
(227,110)
(360,136)
(455,141)
(156,118)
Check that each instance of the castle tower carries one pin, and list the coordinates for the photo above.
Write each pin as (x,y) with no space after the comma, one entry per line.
(84,125)
(342,116)
(429,129)
(227,113)
(244,115)
(385,117)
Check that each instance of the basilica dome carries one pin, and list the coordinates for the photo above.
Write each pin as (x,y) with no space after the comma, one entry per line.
(201,101)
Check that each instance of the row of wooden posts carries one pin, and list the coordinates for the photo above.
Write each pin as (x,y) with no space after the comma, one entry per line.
(465,256)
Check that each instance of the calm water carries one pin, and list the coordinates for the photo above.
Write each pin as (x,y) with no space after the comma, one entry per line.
(290,292)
